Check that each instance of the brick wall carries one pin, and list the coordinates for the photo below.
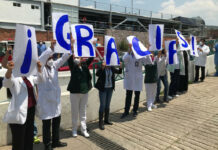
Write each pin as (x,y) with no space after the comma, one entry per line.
(122,34)
(212,34)
(9,34)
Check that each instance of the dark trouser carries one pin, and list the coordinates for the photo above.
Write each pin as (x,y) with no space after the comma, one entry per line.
(197,68)
(129,99)
(165,83)
(46,126)
(174,82)
(183,83)
(183,79)
(1,80)
(105,99)
(22,134)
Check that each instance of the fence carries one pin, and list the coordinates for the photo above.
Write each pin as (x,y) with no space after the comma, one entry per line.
(123,9)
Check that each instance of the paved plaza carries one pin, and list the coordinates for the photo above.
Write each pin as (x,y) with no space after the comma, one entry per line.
(188,122)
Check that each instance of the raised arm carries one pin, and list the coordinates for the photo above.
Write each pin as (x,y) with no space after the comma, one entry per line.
(71,62)
(5,58)
(100,69)
(39,78)
(118,71)
(58,63)
(8,81)
(146,60)
(89,61)
(45,55)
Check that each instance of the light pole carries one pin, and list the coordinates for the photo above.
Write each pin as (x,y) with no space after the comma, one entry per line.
(132,6)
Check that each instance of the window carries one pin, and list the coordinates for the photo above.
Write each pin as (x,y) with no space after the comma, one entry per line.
(16,4)
(34,7)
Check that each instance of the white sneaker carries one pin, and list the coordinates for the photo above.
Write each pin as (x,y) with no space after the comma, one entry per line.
(85,133)
(74,133)
(149,109)
(177,95)
(170,97)
(154,106)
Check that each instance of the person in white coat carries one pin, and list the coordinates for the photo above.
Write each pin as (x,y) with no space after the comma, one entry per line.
(21,110)
(49,98)
(200,62)
(133,80)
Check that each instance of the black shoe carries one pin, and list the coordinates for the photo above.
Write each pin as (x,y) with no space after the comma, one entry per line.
(124,115)
(101,123)
(48,147)
(195,81)
(108,123)
(166,100)
(59,144)
(135,114)
(106,117)
(157,101)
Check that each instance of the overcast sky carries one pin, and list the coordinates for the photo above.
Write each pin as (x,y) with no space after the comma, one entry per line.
(207,9)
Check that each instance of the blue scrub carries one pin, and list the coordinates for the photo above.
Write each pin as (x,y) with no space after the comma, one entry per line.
(41,49)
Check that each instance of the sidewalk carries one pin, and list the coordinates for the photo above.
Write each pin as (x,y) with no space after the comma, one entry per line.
(188,122)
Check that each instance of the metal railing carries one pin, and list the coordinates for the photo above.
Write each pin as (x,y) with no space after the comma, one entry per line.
(130,27)
(92,4)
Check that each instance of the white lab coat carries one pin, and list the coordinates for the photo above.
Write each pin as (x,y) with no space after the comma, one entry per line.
(202,59)
(49,92)
(17,109)
(133,77)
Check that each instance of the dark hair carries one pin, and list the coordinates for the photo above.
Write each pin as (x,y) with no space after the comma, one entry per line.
(163,51)
(203,39)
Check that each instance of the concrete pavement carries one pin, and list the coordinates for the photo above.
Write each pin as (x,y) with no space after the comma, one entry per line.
(188,122)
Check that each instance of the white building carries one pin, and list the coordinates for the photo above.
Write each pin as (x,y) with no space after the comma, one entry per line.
(36,13)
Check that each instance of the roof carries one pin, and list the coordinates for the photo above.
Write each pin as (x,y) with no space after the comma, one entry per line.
(195,21)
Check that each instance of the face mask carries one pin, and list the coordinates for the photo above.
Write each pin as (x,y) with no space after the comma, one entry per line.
(77,61)
(50,63)
(201,43)
(40,43)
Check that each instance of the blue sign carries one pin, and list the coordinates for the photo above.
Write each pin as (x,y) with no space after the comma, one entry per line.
(193,45)
(59,32)
(158,37)
(172,52)
(182,41)
(110,51)
(25,67)
(136,47)
(84,41)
